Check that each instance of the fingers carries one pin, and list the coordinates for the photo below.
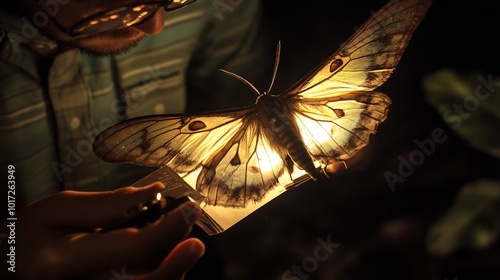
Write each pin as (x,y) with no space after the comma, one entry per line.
(84,210)
(137,250)
(183,217)
(336,167)
(354,164)
(178,262)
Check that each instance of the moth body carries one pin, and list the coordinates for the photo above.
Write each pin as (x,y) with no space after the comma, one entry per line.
(281,127)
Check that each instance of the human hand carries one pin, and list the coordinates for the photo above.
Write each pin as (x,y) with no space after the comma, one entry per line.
(57,238)
(354,164)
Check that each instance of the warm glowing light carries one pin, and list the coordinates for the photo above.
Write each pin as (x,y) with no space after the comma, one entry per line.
(321,130)
(115,16)
(94,22)
(158,196)
(138,8)
(268,159)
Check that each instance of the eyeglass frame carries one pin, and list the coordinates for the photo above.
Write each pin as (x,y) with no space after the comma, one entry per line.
(159,4)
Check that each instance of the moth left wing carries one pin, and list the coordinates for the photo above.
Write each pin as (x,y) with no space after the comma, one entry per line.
(237,162)
(182,142)
(369,57)
(335,128)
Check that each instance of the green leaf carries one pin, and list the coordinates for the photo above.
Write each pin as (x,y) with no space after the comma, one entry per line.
(472,222)
(470,105)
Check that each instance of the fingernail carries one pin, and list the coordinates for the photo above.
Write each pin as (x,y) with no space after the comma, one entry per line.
(190,212)
(196,247)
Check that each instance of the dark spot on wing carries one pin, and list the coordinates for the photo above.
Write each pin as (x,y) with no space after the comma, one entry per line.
(335,65)
(385,40)
(207,178)
(145,144)
(236,160)
(370,77)
(254,169)
(339,112)
(197,125)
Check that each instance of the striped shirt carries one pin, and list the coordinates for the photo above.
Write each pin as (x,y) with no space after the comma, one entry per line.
(53,104)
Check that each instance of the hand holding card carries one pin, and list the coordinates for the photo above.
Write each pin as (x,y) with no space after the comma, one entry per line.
(58,237)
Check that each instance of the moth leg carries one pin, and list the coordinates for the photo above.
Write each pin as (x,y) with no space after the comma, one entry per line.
(289,164)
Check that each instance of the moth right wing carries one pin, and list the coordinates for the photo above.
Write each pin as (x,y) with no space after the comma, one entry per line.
(370,56)
(334,129)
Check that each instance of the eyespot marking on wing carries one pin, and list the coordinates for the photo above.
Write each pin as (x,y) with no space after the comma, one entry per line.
(339,112)
(335,65)
(197,125)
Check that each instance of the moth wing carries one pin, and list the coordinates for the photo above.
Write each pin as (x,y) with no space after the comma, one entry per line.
(238,162)
(179,141)
(370,56)
(243,170)
(335,128)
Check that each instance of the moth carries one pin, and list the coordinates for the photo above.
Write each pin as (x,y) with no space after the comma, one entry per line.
(242,153)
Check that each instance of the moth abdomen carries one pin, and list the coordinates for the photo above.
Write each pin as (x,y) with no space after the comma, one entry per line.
(294,146)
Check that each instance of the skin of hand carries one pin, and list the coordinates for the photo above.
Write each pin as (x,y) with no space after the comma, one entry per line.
(354,164)
(57,238)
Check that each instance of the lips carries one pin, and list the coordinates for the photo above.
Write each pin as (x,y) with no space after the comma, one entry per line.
(153,25)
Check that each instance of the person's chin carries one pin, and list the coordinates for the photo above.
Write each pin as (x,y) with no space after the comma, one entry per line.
(106,43)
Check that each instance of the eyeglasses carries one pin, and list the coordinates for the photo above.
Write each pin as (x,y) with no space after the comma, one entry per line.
(121,17)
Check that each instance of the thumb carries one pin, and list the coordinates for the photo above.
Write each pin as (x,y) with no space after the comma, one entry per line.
(178,262)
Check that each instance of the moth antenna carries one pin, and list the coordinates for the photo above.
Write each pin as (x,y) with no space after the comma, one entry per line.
(276,63)
(243,80)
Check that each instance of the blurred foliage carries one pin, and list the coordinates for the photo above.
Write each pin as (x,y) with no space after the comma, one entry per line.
(473,222)
(471,106)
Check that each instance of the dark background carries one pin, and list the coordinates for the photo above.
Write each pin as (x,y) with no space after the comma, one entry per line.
(381,233)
